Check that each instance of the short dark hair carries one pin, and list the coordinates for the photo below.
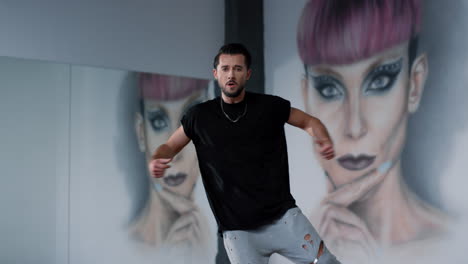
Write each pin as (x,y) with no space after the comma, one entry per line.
(232,49)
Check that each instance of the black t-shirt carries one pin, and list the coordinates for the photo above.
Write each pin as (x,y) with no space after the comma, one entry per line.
(244,165)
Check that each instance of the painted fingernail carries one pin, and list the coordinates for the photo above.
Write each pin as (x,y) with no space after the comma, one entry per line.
(384,167)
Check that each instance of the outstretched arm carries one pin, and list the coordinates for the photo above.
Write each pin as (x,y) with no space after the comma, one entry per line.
(314,127)
(165,152)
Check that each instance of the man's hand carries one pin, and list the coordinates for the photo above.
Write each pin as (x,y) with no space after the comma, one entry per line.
(157,167)
(165,152)
(325,148)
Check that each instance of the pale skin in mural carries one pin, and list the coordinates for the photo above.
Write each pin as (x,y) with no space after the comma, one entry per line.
(171,216)
(366,103)
(368,202)
(364,79)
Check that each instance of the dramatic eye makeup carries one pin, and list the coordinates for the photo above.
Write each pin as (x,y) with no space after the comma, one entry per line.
(328,87)
(159,119)
(382,78)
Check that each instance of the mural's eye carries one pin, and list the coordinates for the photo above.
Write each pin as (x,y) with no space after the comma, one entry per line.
(380,82)
(159,120)
(329,92)
(382,78)
(328,87)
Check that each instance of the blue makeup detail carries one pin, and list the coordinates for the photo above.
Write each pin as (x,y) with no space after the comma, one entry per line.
(157,187)
(384,167)
(159,120)
(381,79)
(328,87)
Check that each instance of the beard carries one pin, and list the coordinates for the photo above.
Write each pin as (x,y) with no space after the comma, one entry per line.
(234,94)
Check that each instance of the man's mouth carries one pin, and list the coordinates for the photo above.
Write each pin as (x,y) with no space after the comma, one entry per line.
(353,163)
(175,179)
(231,83)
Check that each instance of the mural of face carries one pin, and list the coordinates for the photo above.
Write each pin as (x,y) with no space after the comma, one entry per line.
(365,105)
(170,216)
(160,119)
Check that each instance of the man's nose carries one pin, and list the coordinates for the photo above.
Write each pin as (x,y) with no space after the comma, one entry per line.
(231,74)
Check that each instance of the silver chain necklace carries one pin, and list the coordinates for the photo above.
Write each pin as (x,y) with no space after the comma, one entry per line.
(230,119)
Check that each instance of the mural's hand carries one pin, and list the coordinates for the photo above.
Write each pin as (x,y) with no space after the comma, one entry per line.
(187,230)
(190,227)
(351,192)
(157,167)
(325,147)
(346,233)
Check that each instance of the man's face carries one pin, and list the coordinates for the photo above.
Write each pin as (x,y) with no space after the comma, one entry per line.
(232,74)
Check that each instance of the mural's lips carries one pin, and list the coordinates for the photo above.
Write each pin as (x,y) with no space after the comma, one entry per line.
(175,179)
(360,162)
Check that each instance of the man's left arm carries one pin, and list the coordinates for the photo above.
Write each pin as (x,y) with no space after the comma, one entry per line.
(315,128)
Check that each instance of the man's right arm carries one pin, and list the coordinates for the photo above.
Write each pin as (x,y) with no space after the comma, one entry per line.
(165,152)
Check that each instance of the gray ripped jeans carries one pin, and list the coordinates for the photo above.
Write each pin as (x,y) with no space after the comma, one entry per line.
(291,236)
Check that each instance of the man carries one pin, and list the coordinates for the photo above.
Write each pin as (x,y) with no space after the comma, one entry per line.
(240,142)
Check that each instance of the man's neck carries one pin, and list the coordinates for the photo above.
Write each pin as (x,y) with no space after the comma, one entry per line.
(233,100)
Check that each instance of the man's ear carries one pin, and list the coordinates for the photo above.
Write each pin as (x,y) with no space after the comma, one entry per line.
(249,72)
(215,74)
(140,131)
(418,76)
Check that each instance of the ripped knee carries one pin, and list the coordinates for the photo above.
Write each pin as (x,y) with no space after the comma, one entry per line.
(308,238)
(319,253)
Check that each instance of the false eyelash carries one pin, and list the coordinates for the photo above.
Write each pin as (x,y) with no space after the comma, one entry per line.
(392,67)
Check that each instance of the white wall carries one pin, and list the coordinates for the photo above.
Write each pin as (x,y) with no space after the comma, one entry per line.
(34,117)
(176,37)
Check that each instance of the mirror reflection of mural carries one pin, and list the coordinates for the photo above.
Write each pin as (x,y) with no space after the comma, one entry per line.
(170,217)
(364,77)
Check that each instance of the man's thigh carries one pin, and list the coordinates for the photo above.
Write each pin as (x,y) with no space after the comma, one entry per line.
(241,247)
(301,240)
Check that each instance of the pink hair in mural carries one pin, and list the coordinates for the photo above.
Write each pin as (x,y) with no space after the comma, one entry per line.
(343,31)
(167,87)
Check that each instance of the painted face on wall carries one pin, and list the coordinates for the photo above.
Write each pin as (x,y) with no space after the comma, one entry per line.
(161,119)
(365,106)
